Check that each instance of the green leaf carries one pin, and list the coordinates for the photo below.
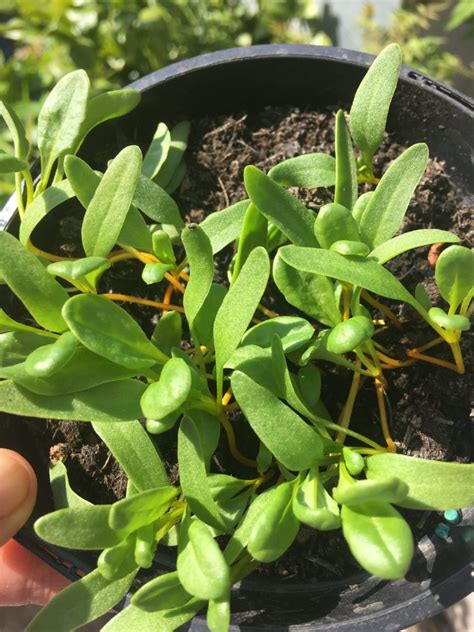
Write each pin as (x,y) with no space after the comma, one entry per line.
(209,429)
(61,118)
(349,334)
(83,371)
(365,273)
(224,487)
(309,171)
(177,147)
(129,514)
(116,561)
(64,495)
(152,200)
(117,401)
(157,151)
(433,485)
(276,526)
(48,359)
(111,333)
(253,234)
(201,270)
(280,207)
(454,274)
(204,321)
(201,566)
(218,614)
(42,296)
(82,178)
(334,223)
(106,106)
(386,209)
(223,227)
(379,538)
(161,593)
(313,506)
(168,332)
(135,232)
(16,129)
(176,178)
(354,461)
(309,381)
(155,272)
(81,602)
(449,321)
(85,527)
(368,116)
(84,273)
(134,618)
(238,307)
(351,248)
(408,241)
(42,205)
(422,296)
(109,206)
(389,490)
(345,192)
(163,247)
(170,393)
(313,294)
(11,164)
(193,475)
(295,444)
(8,324)
(361,204)
(135,452)
(293,331)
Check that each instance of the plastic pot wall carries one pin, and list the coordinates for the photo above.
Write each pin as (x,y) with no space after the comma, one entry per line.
(422,110)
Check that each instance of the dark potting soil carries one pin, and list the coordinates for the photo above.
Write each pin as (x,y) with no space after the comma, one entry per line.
(430,406)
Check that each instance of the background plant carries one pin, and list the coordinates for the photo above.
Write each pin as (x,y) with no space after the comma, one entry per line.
(82,357)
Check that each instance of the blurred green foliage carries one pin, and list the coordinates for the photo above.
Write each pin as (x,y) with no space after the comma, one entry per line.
(410,27)
(117,41)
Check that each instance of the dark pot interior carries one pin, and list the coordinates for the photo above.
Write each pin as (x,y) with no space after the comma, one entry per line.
(422,110)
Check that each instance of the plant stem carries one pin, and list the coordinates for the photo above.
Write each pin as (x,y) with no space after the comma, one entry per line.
(346,414)
(457,355)
(379,389)
(142,301)
(234,450)
(381,307)
(167,296)
(267,312)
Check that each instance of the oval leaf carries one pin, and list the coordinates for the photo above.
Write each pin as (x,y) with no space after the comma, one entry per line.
(454,274)
(333,223)
(171,391)
(293,331)
(309,171)
(349,334)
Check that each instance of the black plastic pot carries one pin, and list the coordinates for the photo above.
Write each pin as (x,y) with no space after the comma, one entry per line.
(422,110)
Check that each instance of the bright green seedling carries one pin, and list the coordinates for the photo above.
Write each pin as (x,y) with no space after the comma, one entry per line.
(224,367)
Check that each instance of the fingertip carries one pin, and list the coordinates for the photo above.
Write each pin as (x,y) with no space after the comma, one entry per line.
(18,487)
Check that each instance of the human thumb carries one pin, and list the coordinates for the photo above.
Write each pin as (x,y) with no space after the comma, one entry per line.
(17,493)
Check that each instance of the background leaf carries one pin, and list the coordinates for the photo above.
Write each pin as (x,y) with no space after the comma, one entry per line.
(414,239)
(223,227)
(201,271)
(308,171)
(345,192)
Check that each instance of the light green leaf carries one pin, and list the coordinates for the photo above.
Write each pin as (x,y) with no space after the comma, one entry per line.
(163,247)
(295,444)
(176,178)
(334,223)
(109,206)
(117,401)
(309,171)
(170,393)
(313,506)
(293,331)
(351,248)
(361,204)
(449,321)
(82,178)
(8,324)
(433,485)
(134,618)
(112,333)
(280,207)
(408,241)
(454,274)
(135,232)
(157,151)
(388,490)
(16,129)
(223,227)
(154,202)
(386,209)
(313,294)
(155,272)
(64,495)
(135,452)
(204,322)
(238,307)
(365,273)
(379,538)
(218,614)
(85,527)
(168,332)
(253,234)
(161,593)
(201,566)
(60,119)
(371,103)
(42,205)
(276,526)
(201,270)
(42,296)
(177,147)
(345,192)
(349,334)
(193,475)
(129,514)
(81,602)
(82,273)
(48,359)
(11,164)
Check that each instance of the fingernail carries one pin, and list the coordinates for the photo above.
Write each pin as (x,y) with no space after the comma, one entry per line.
(14,484)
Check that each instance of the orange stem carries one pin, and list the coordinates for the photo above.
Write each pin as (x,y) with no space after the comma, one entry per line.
(379,389)
(142,301)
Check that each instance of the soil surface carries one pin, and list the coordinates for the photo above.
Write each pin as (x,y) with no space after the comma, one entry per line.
(430,406)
